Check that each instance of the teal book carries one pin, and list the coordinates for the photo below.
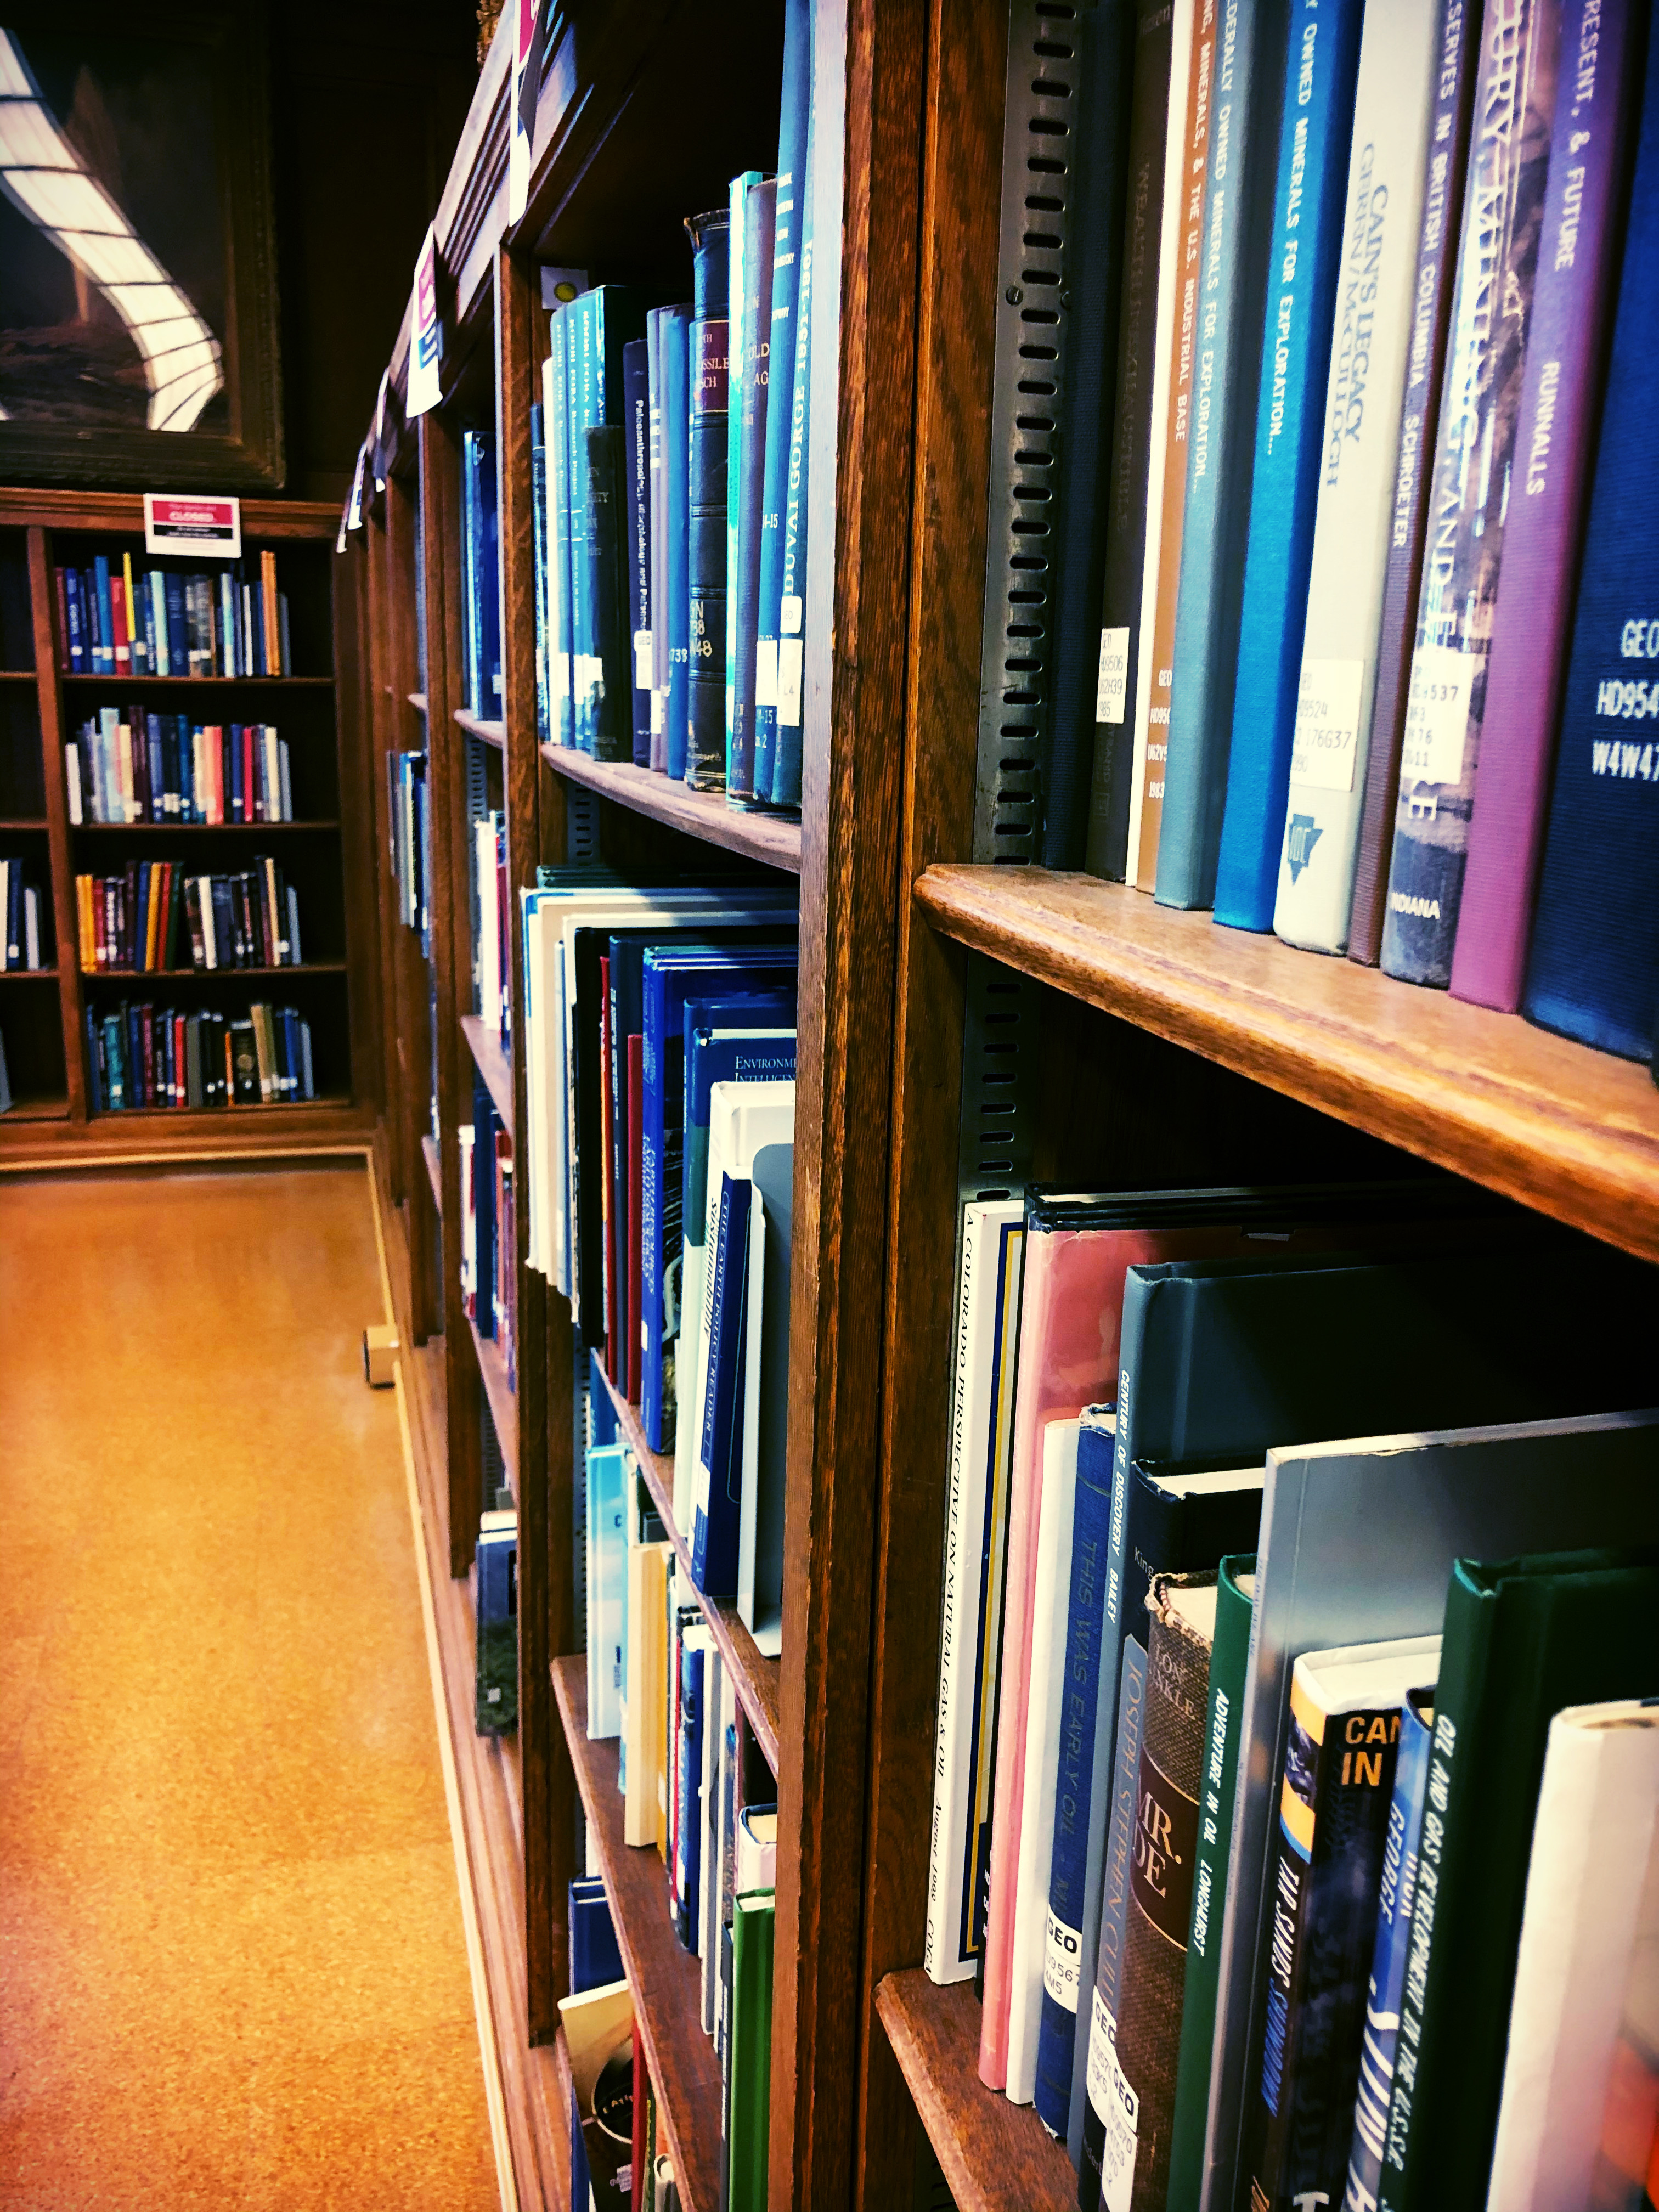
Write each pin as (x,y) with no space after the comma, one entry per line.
(605,320)
(740,332)
(747,421)
(1233,292)
(786,762)
(1309,205)
(1522,1639)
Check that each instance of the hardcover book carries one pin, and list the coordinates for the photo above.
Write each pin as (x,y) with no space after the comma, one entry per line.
(676,334)
(766,1407)
(1310,204)
(603,691)
(636,465)
(707,369)
(746,461)
(785,789)
(1399,53)
(1515,105)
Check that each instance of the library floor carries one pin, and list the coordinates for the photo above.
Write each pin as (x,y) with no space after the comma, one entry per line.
(233,1968)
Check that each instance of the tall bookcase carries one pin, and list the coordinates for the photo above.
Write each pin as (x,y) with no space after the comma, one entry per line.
(43,1014)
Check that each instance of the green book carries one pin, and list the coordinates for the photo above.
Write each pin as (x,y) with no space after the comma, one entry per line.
(748,2111)
(1522,1639)
(1229,1659)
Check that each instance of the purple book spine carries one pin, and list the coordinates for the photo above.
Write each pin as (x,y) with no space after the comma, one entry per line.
(1555,441)
(1437,273)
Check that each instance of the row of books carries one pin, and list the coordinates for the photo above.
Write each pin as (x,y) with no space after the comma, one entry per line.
(410,823)
(669,448)
(1143,1385)
(660,1044)
(135,922)
(20,912)
(492,942)
(165,767)
(695,1784)
(481,573)
(151,1056)
(114,619)
(488,1240)
(1326,456)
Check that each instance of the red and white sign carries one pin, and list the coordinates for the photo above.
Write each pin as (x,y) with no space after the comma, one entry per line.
(526,88)
(425,339)
(177,524)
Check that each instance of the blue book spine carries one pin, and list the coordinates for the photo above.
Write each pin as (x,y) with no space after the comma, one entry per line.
(160,793)
(470,647)
(147,616)
(708,370)
(790,206)
(677,435)
(1593,972)
(173,586)
(155,607)
(688,1851)
(636,425)
(583,653)
(490,612)
(1309,207)
(77,650)
(1250,77)
(1386,1990)
(1086,1628)
(602,1407)
(740,329)
(595,1955)
(792,602)
(103,615)
(483,1205)
(747,417)
(557,433)
(720,1460)
(95,1064)
(538,542)
(653,1189)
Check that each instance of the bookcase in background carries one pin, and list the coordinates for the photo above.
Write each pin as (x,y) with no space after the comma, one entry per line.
(44,1014)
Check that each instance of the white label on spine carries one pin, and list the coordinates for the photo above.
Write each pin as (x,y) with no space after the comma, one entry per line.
(789,615)
(1438,715)
(561,665)
(1062,1947)
(1326,740)
(766,672)
(1112,680)
(1118,2109)
(658,713)
(789,660)
(642,661)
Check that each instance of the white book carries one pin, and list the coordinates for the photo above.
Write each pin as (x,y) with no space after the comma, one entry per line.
(1592,1914)
(1036,1829)
(1174,214)
(209,938)
(1398,61)
(31,928)
(72,770)
(757,1863)
(6,960)
(489,943)
(987,1317)
(610,1475)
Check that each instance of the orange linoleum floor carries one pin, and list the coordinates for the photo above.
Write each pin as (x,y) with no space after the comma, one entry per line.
(233,1968)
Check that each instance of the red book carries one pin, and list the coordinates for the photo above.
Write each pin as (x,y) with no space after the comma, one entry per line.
(247,774)
(117,607)
(607,1194)
(180,1087)
(635,1156)
(63,621)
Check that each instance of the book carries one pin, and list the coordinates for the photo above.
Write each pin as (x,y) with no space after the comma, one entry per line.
(595,1959)
(981,1434)
(789,207)
(1310,204)
(607,1478)
(647,1567)
(1592,1853)
(1515,105)
(675,337)
(558,403)
(1046,1699)
(720,1453)
(746,482)
(1555,437)
(636,474)
(695,1647)
(1445,170)
(1180,1633)
(1129,463)
(1228,1661)
(792,606)
(1584,1479)
(765,1405)
(1192,71)
(657,535)
(604,687)
(1096,162)
(1324,1879)
(748,2106)
(1525,1637)
(1238,201)
(708,370)
(1593,969)
(498,1623)
(541,567)
(481,629)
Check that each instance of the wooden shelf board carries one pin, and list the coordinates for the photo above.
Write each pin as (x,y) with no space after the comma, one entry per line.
(773,838)
(666,1981)
(492,1063)
(185,828)
(503,1406)
(997,2157)
(25,1107)
(196,683)
(28,974)
(1571,1132)
(326,1128)
(418,701)
(754,1679)
(34,822)
(16,675)
(434,1170)
(209,975)
(490,733)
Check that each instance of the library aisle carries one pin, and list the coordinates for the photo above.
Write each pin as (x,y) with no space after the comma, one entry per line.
(232,1965)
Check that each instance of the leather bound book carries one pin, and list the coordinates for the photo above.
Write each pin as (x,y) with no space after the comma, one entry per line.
(747,451)
(709,364)
(636,469)
(605,709)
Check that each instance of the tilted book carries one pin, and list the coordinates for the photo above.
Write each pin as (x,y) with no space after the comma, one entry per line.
(1130,459)
(1399,51)
(746,462)
(1515,105)
(785,787)
(707,369)
(636,471)
(1593,971)
(675,336)
(1310,204)
(1458,51)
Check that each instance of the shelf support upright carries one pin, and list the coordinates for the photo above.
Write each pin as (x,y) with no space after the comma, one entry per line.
(49,692)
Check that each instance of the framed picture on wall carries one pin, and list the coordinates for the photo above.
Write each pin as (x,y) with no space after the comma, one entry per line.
(138,312)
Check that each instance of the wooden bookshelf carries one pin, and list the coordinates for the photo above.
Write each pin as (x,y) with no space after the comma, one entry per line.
(190,829)
(434,1173)
(211,684)
(665,1980)
(418,701)
(491,1062)
(499,1395)
(754,1678)
(475,725)
(709,816)
(1572,1131)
